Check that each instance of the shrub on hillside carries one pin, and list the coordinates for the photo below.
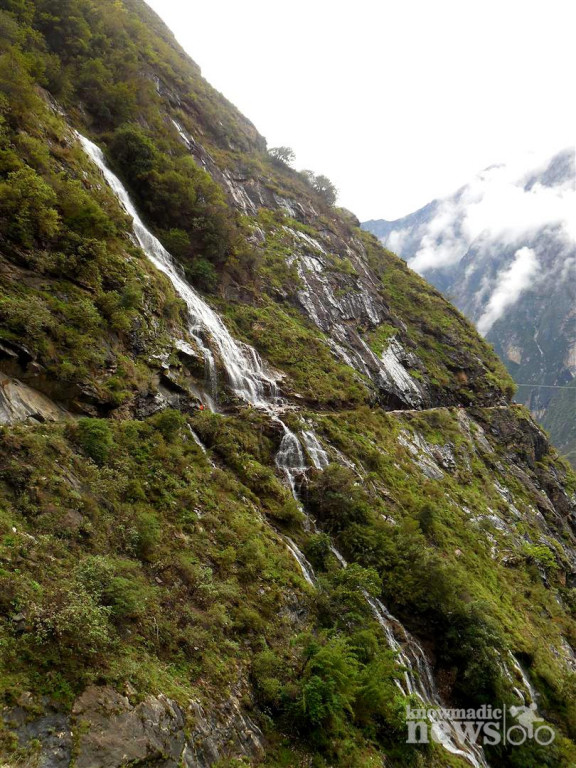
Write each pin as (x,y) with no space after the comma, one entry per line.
(96,439)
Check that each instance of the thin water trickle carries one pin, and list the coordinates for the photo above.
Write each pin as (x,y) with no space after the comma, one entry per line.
(306,568)
(527,693)
(290,458)
(201,445)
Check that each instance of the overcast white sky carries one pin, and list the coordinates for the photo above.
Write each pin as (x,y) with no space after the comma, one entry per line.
(397,101)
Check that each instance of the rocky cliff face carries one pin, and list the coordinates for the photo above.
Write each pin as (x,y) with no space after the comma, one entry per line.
(261,485)
(105,729)
(502,248)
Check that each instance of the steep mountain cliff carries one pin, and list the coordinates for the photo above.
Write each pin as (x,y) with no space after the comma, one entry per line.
(261,486)
(503,248)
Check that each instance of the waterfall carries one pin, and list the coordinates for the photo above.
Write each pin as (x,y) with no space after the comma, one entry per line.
(418,679)
(306,568)
(197,440)
(532,692)
(412,657)
(527,694)
(290,458)
(251,382)
(320,458)
(201,445)
(247,375)
(338,556)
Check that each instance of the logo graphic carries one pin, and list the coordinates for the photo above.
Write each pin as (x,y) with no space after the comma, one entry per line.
(487,726)
(526,717)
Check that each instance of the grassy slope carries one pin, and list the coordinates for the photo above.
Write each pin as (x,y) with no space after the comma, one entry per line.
(135,537)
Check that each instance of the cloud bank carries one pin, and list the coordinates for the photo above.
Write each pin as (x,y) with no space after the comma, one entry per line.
(512,227)
(505,204)
(511,283)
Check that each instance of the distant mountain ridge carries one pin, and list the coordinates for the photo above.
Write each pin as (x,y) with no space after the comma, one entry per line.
(503,249)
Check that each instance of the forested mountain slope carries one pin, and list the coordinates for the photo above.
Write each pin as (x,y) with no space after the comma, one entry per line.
(220,470)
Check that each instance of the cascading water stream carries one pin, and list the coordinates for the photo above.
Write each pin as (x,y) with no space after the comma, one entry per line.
(318,455)
(290,458)
(305,567)
(250,381)
(201,445)
(527,694)
(247,375)
(418,679)
(197,440)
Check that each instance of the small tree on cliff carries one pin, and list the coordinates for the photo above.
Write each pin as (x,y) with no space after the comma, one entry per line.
(282,154)
(322,185)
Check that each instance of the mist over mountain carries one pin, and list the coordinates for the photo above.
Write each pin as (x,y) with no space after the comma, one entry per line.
(503,249)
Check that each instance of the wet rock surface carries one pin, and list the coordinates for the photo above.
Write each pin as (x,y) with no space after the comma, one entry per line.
(339,292)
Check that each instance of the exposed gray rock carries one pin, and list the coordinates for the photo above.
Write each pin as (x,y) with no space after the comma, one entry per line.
(227,733)
(52,730)
(113,733)
(148,405)
(340,302)
(427,456)
(109,731)
(21,403)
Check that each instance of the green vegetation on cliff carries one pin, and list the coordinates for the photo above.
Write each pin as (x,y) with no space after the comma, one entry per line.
(118,73)
(128,559)
(132,559)
(77,296)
